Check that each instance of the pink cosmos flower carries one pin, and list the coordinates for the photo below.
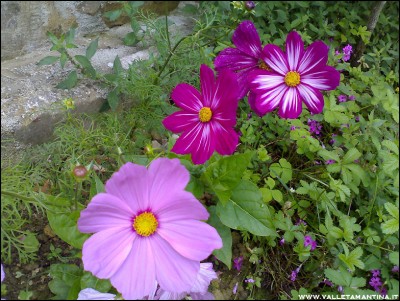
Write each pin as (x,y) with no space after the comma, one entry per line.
(206,119)
(297,76)
(245,57)
(147,229)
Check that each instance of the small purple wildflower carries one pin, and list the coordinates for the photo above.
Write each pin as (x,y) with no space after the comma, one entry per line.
(375,273)
(340,289)
(317,162)
(375,282)
(250,280)
(327,162)
(347,52)
(395,269)
(315,127)
(249,5)
(327,282)
(292,128)
(356,161)
(357,118)
(249,115)
(237,262)
(293,276)
(352,97)
(342,98)
(383,291)
(282,242)
(234,291)
(308,241)
(301,222)
(332,141)
(337,52)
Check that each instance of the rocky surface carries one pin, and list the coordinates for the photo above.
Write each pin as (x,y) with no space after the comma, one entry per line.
(30,103)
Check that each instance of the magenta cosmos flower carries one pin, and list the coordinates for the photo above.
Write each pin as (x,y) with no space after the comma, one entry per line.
(206,119)
(297,76)
(148,230)
(245,57)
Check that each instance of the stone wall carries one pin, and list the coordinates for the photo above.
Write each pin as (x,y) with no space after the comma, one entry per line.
(24,24)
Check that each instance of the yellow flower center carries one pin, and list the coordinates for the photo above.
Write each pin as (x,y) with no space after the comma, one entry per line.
(264,66)
(145,224)
(205,114)
(292,78)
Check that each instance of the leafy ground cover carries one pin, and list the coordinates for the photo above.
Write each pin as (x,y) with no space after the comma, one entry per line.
(304,205)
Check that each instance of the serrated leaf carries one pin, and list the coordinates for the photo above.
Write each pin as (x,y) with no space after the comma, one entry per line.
(391,226)
(391,145)
(48,60)
(329,155)
(352,260)
(351,155)
(224,175)
(69,82)
(225,253)
(341,277)
(392,209)
(246,210)
(394,258)
(92,48)
(66,281)
(86,64)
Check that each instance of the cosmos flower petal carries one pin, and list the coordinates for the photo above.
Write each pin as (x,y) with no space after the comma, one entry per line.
(234,59)
(105,252)
(139,261)
(291,105)
(226,91)
(228,139)
(103,212)
(187,98)
(314,58)
(92,294)
(324,79)
(270,99)
(246,39)
(252,102)
(129,184)
(179,206)
(204,278)
(166,177)
(180,121)
(313,98)
(294,49)
(192,239)
(261,80)
(275,58)
(198,142)
(207,83)
(175,273)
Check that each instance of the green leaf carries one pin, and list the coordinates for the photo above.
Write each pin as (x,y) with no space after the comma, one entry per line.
(394,258)
(338,277)
(246,211)
(31,244)
(283,169)
(225,253)
(391,145)
(69,37)
(392,225)
(92,48)
(64,224)
(86,64)
(113,15)
(69,82)
(99,184)
(113,99)
(352,259)
(48,60)
(52,37)
(117,66)
(66,281)
(351,155)
(130,39)
(63,59)
(224,175)
(90,281)
(329,155)
(392,209)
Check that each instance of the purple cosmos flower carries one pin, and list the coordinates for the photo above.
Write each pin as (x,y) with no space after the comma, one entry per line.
(342,98)
(207,120)
(297,76)
(245,57)
(237,263)
(308,241)
(199,290)
(147,221)
(92,294)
